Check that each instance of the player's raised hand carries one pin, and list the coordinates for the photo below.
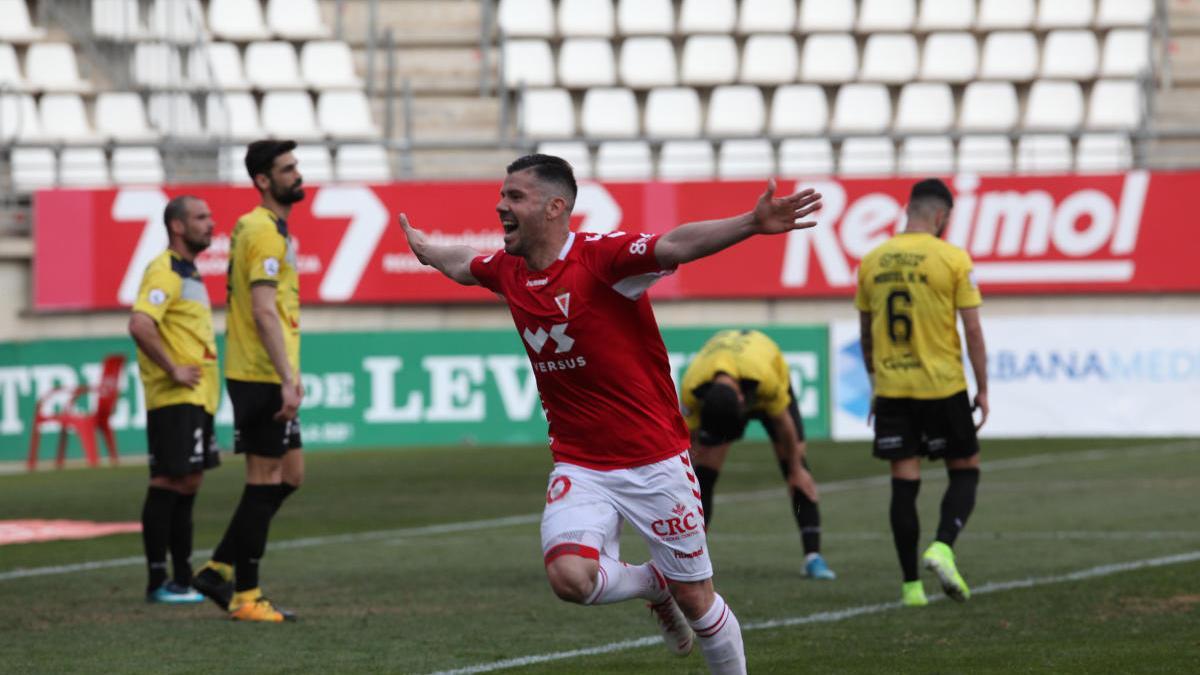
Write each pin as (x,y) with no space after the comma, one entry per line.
(774,216)
(416,239)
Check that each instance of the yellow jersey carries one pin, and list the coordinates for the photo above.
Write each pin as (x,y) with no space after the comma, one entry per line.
(913,284)
(748,356)
(173,294)
(261,252)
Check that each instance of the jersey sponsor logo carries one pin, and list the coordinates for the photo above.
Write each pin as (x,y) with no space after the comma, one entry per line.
(559,487)
(564,303)
(558,333)
(271,267)
(156,296)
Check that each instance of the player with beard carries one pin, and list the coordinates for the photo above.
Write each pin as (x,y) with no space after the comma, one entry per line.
(619,442)
(177,357)
(262,369)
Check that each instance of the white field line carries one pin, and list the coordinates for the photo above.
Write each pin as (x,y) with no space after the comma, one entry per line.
(835,615)
(476,525)
(1056,535)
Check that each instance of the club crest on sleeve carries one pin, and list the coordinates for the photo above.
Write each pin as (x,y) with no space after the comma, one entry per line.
(156,296)
(271,267)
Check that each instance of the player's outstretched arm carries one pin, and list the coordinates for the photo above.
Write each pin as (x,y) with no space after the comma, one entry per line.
(977,353)
(692,241)
(453,261)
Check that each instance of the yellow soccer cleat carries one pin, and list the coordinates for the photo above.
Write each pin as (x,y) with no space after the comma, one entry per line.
(912,594)
(939,559)
(252,606)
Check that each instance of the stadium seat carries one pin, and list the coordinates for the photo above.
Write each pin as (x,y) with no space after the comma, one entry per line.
(862,108)
(890,58)
(1126,53)
(673,112)
(1001,14)
(1114,104)
(829,59)
(886,15)
(177,21)
(624,160)
(985,154)
(82,167)
(121,116)
(1009,55)
(867,156)
(648,62)
(950,57)
(174,115)
(1070,55)
(1054,105)
(233,116)
(11,78)
(15,25)
(19,119)
(988,106)
(709,60)
(798,109)
(745,158)
(609,112)
(684,160)
(345,114)
(645,17)
(926,156)
(328,64)
(925,106)
(736,110)
(528,62)
(365,162)
(273,66)
(217,65)
(1064,13)
(707,16)
(946,15)
(296,20)
(806,157)
(231,165)
(137,166)
(1044,153)
(586,62)
(33,168)
(547,113)
(1103,153)
(237,20)
(1124,13)
(575,152)
(587,18)
(826,16)
(157,65)
(526,18)
(315,163)
(51,66)
(770,60)
(766,16)
(64,119)
(289,114)
(117,20)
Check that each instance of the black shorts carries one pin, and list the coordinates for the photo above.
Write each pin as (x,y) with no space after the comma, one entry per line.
(767,423)
(181,440)
(255,429)
(934,428)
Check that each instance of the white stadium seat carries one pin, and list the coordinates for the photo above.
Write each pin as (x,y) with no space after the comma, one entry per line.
(11,78)
(1054,105)
(826,15)
(890,58)
(766,16)
(328,64)
(234,116)
(1000,14)
(684,160)
(745,159)
(798,109)
(886,15)
(296,19)
(1009,55)
(82,167)
(709,60)
(770,60)
(707,16)
(315,162)
(862,108)
(526,18)
(231,164)
(926,156)
(1103,153)
(985,154)
(117,20)
(645,17)
(1065,13)
(51,66)
(15,25)
(736,110)
(137,166)
(174,115)
(528,62)
(609,112)
(237,20)
(867,156)
(624,161)
(829,59)
(19,119)
(217,65)
(946,15)
(33,168)
(362,163)
(575,152)
(273,65)
(648,62)
(289,114)
(121,116)
(806,157)
(1114,104)
(673,112)
(177,20)
(1124,13)
(1126,52)
(592,18)
(925,106)
(1071,55)
(64,119)
(345,114)
(547,113)
(950,57)
(1044,153)
(586,62)
(988,106)
(157,65)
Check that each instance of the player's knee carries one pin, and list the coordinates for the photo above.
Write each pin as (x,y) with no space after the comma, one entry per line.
(190,484)
(571,583)
(693,597)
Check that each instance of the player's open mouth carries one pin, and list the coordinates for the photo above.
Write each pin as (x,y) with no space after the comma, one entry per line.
(509,224)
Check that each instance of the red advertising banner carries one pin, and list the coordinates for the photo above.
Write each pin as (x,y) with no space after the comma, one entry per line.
(1044,234)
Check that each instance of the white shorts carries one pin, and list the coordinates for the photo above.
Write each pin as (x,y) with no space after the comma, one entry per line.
(585,509)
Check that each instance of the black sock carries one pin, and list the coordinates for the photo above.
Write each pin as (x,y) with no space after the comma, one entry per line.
(226,550)
(708,482)
(957,503)
(283,491)
(806,512)
(181,539)
(906,528)
(254,521)
(156,532)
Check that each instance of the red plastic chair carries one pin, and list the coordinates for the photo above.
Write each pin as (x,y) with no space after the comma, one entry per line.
(84,423)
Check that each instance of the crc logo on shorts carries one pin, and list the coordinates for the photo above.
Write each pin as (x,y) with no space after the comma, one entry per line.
(156,296)
(271,267)
(682,524)
(559,487)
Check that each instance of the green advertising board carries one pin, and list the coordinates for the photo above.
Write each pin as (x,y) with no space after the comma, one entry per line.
(377,390)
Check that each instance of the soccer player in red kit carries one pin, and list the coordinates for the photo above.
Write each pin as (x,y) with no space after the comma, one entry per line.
(619,443)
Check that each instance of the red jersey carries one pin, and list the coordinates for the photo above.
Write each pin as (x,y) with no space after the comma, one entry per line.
(596,351)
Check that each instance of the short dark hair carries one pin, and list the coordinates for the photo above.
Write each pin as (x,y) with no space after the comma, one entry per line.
(550,169)
(932,188)
(176,210)
(260,155)
(720,415)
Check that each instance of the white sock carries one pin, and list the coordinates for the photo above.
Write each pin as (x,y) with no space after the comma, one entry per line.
(617,581)
(720,637)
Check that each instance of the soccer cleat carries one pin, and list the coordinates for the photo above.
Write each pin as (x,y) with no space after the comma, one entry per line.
(939,559)
(674,626)
(215,582)
(816,568)
(912,594)
(171,593)
(252,606)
